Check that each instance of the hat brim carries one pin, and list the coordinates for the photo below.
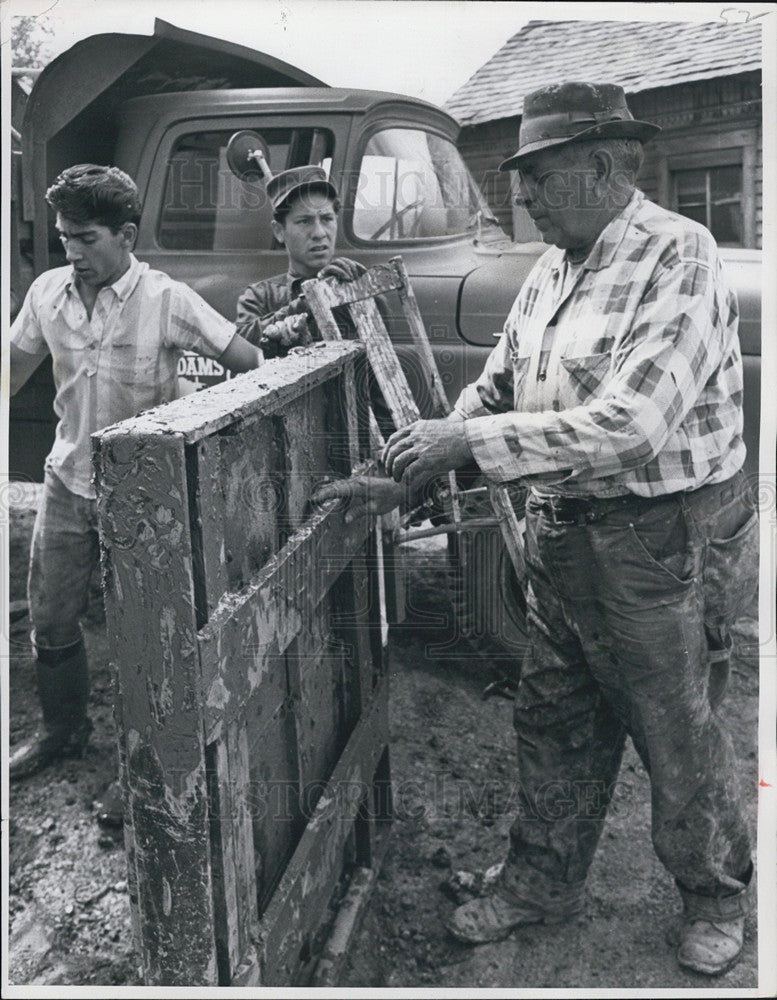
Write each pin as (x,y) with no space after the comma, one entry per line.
(317,185)
(619,129)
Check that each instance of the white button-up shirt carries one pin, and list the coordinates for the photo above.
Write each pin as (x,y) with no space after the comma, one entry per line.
(121,361)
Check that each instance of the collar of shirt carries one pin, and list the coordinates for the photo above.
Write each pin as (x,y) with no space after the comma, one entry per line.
(294,283)
(609,240)
(122,288)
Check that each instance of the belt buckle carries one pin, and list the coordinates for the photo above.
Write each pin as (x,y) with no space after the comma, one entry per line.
(557,505)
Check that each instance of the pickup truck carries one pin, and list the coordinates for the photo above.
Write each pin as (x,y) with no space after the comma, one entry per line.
(164,108)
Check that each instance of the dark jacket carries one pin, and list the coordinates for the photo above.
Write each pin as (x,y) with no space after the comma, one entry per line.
(259,301)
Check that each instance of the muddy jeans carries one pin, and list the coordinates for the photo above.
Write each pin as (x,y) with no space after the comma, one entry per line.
(628,622)
(65,550)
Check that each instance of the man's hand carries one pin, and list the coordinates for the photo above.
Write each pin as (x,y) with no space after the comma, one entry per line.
(342,268)
(291,331)
(361,495)
(426,448)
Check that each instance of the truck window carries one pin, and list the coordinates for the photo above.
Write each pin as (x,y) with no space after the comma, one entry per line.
(206,207)
(414,185)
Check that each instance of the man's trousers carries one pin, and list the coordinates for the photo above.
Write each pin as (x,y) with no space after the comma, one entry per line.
(629,619)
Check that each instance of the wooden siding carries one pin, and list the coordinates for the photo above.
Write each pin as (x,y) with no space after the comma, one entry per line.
(691,103)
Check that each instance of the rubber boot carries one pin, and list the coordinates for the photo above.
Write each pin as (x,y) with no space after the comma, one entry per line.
(63,691)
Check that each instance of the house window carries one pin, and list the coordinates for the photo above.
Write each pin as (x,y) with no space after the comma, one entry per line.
(713,196)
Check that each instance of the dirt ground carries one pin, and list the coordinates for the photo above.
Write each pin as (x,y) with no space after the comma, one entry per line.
(452,768)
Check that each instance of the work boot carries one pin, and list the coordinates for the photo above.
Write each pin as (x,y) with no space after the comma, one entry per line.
(63,690)
(491,918)
(711,932)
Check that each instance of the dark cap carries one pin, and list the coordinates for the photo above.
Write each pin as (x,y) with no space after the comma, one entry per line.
(572,112)
(287,181)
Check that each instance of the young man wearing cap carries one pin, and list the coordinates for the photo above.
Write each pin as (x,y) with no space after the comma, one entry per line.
(115,330)
(305,210)
(615,395)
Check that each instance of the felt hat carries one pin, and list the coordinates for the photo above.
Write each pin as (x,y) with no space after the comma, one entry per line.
(287,181)
(572,112)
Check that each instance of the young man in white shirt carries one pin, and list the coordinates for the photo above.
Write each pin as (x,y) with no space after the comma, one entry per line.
(115,330)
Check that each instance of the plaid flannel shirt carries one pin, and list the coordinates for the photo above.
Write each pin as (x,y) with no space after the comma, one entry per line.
(625,378)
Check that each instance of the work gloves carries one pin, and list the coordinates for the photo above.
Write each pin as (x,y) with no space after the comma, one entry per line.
(292,330)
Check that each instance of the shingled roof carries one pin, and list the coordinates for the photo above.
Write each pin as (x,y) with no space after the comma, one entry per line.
(637,55)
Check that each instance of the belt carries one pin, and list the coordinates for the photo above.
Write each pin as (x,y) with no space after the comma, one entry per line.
(587,510)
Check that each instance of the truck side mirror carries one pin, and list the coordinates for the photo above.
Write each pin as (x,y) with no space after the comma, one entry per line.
(248,155)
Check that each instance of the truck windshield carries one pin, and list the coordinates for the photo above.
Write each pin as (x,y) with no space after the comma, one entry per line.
(414,185)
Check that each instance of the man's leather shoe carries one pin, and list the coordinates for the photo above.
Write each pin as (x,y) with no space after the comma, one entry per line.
(46,747)
(711,947)
(491,918)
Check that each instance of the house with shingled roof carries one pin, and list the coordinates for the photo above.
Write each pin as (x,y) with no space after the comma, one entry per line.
(701,82)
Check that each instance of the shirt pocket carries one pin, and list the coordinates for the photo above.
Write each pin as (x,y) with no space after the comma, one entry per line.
(520,371)
(584,377)
(131,365)
(139,379)
(66,338)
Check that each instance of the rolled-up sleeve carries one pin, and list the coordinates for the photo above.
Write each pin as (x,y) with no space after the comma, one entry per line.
(196,326)
(26,331)
(492,392)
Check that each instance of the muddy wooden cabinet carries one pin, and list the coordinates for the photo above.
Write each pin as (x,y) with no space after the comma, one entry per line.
(247,631)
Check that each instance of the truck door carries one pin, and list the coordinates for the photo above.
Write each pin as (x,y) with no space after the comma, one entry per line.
(204,225)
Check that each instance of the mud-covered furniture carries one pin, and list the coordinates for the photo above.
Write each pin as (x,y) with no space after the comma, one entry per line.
(247,633)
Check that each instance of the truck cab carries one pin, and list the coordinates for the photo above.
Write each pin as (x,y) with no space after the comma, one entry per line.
(164,108)
(403,187)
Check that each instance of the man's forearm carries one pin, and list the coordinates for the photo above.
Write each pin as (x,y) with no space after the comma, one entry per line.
(240,356)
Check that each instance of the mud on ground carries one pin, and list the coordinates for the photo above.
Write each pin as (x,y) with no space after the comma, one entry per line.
(453,759)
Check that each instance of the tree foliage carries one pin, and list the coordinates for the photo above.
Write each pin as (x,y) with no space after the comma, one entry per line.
(30,42)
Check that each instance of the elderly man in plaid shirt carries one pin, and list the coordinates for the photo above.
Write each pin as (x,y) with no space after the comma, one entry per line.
(615,394)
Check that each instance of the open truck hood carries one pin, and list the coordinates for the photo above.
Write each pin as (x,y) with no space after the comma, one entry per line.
(70,114)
